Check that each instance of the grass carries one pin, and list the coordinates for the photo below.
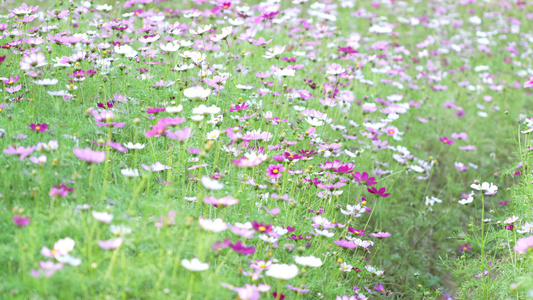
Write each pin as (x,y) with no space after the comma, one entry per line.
(420,259)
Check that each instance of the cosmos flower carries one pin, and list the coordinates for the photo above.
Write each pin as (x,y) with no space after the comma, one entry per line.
(282,271)
(22,151)
(488,188)
(103,217)
(216,225)
(275,171)
(194,265)
(524,244)
(21,221)
(39,127)
(32,61)
(381,192)
(309,261)
(196,93)
(242,248)
(89,155)
(111,244)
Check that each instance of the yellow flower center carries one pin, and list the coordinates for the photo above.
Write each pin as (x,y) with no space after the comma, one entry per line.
(263,266)
(262,228)
(275,171)
(37,127)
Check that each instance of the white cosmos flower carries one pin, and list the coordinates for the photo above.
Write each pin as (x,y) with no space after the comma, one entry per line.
(67,259)
(194,265)
(285,72)
(488,188)
(169,47)
(130,172)
(468,200)
(196,92)
(103,217)
(324,233)
(183,67)
(213,135)
(202,110)
(314,121)
(211,184)
(174,109)
(526,228)
(197,118)
(244,87)
(309,261)
(120,230)
(64,246)
(104,7)
(216,225)
(46,81)
(274,52)
(133,146)
(200,30)
(282,271)
(127,50)
(268,239)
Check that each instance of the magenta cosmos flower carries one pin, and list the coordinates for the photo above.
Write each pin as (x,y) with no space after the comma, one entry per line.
(464,248)
(363,178)
(89,155)
(445,140)
(381,192)
(241,248)
(39,127)
(21,221)
(275,171)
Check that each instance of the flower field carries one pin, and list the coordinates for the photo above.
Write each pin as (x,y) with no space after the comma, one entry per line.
(209,149)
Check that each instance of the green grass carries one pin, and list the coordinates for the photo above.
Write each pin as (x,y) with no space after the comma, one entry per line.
(421,258)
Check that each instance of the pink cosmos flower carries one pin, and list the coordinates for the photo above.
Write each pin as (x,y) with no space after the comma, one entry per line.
(22,151)
(47,269)
(346,244)
(181,134)
(169,220)
(111,244)
(275,171)
(242,231)
(459,136)
(34,60)
(380,235)
(529,83)
(59,191)
(523,244)
(222,202)
(89,155)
